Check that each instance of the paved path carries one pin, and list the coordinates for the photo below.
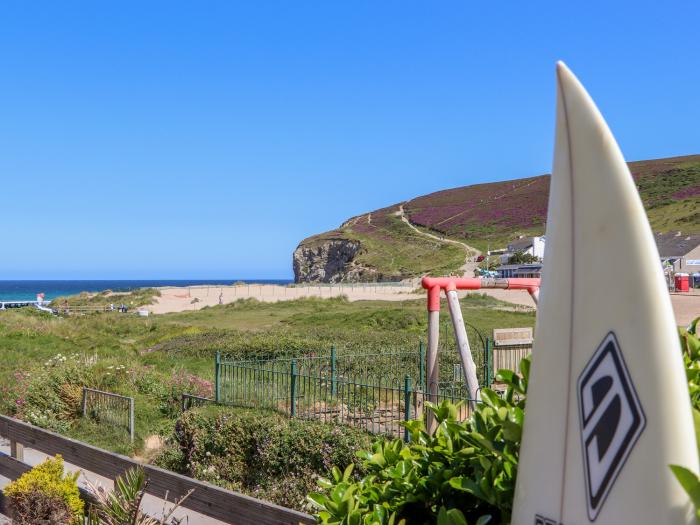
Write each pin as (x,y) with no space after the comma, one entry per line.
(686,306)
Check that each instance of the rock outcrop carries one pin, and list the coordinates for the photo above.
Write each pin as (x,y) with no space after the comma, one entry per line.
(325,261)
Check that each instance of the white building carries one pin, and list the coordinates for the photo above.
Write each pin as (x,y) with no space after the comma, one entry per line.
(529,245)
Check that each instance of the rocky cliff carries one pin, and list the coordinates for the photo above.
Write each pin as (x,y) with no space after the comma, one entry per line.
(332,261)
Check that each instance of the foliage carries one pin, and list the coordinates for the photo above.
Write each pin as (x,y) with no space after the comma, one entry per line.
(46,495)
(122,506)
(47,359)
(463,473)
(260,453)
(523,258)
(49,395)
(690,344)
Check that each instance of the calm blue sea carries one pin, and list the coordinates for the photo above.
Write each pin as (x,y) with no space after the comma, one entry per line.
(27,290)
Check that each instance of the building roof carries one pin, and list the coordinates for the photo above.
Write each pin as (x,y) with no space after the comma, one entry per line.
(520,245)
(534,266)
(676,244)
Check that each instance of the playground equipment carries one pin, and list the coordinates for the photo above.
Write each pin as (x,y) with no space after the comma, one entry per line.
(450,285)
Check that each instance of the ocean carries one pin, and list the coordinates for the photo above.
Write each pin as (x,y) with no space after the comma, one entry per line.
(27,290)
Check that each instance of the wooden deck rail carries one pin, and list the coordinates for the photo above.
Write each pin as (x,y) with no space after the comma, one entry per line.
(210,500)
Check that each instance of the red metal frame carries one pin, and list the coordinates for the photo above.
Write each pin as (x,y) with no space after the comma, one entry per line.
(435,284)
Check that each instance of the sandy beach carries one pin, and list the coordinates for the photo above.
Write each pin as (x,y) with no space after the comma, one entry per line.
(686,306)
(175,299)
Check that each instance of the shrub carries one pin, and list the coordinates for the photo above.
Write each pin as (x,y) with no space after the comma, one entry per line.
(522,258)
(263,454)
(463,473)
(466,471)
(690,344)
(49,396)
(46,495)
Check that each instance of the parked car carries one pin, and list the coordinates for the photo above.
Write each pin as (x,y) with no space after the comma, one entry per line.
(480,258)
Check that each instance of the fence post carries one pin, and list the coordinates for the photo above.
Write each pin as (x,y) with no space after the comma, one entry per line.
(84,403)
(217,373)
(407,405)
(293,388)
(421,366)
(131,418)
(333,373)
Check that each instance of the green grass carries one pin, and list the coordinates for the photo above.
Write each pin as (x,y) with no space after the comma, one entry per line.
(397,251)
(174,345)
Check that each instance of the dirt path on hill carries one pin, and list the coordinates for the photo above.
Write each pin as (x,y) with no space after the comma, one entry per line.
(470,263)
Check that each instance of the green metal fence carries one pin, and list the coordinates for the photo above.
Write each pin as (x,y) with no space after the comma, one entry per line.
(374,392)
(109,408)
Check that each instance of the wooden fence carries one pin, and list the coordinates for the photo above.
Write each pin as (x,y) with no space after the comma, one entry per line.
(510,346)
(210,500)
(509,357)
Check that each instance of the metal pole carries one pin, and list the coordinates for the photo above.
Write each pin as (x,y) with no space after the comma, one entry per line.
(421,366)
(433,372)
(333,372)
(407,405)
(131,418)
(293,388)
(535,294)
(84,404)
(465,353)
(217,373)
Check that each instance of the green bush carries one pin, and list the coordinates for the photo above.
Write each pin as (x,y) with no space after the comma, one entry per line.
(463,473)
(263,454)
(690,344)
(45,495)
(49,395)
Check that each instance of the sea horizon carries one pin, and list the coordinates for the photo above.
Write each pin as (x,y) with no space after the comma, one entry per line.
(27,289)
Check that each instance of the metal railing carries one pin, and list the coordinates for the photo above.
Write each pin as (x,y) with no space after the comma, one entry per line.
(390,366)
(109,408)
(311,389)
(191,401)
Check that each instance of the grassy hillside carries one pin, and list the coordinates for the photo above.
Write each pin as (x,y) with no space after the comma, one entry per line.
(491,214)
(393,247)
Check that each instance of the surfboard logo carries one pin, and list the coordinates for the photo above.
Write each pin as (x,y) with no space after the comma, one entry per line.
(540,520)
(612,420)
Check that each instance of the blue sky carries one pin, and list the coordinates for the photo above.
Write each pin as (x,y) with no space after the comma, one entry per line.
(206,139)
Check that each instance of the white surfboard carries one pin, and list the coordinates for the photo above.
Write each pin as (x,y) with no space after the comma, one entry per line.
(607,405)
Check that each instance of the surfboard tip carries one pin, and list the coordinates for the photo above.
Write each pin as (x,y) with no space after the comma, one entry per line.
(564,74)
